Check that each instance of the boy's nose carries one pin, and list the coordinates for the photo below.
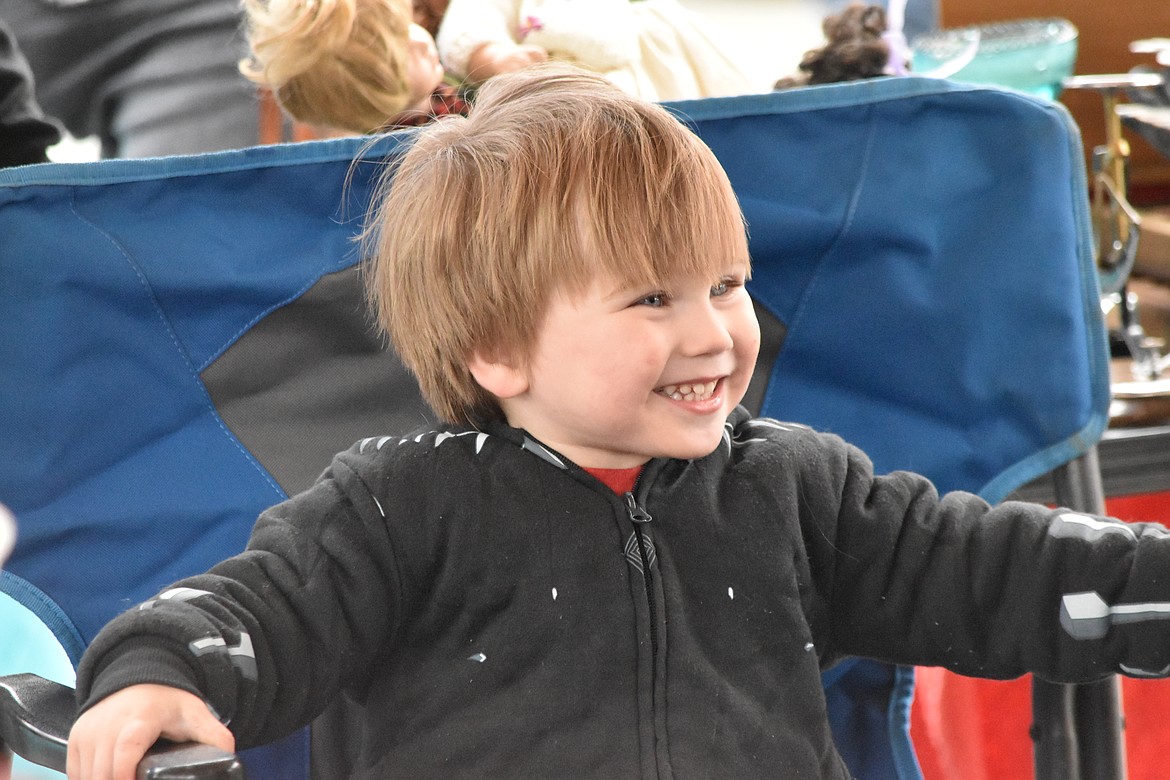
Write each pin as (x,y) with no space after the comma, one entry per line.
(707,331)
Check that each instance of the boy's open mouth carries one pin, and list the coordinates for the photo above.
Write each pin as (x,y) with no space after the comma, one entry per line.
(694,391)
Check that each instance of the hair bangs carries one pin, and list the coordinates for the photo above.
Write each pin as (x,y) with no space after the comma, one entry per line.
(666,215)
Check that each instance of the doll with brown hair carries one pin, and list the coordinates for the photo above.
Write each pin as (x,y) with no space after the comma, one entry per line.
(348,66)
(856,47)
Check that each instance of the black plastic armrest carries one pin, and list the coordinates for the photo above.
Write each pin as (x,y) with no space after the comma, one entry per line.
(36,715)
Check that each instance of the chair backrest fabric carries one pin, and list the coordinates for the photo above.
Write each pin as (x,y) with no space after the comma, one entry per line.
(184,340)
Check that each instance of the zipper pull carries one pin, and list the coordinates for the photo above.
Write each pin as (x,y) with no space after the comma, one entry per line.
(637,514)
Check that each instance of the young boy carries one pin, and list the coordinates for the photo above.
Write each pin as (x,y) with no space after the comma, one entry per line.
(601,566)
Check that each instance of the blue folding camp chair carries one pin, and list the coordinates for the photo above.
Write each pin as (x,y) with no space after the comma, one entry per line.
(185,341)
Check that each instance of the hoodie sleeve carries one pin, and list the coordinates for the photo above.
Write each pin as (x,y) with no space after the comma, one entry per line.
(269,636)
(917,578)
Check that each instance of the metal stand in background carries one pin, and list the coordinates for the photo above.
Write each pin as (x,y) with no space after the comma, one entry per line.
(1116,223)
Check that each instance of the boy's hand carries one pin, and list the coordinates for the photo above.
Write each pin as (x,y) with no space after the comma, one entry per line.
(109,739)
(492,59)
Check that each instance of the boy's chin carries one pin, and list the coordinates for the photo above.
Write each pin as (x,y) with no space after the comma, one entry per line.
(697,449)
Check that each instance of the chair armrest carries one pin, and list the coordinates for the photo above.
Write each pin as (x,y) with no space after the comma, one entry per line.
(36,715)
(1113,82)
(1138,114)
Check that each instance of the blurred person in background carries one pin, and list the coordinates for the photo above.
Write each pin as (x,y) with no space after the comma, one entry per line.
(25,132)
(146,77)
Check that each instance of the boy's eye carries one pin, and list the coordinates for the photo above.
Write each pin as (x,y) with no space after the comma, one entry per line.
(656,300)
(725,285)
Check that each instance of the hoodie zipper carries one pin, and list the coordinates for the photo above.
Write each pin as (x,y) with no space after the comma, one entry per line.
(640,518)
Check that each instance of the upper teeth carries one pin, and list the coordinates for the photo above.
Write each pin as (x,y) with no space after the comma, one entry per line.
(690,392)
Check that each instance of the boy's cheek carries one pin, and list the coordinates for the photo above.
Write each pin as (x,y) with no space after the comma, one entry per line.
(748,344)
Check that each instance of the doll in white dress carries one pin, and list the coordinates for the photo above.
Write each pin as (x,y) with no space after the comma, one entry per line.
(655,49)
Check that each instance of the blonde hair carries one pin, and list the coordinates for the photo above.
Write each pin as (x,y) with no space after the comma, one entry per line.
(332,63)
(555,177)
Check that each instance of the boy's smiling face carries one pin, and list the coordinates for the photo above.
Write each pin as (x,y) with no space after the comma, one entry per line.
(620,374)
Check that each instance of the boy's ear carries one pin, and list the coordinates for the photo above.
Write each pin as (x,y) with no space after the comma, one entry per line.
(497,374)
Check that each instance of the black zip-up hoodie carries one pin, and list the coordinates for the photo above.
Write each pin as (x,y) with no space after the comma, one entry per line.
(501,613)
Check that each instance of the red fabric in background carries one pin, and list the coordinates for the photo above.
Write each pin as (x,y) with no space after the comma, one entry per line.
(969,729)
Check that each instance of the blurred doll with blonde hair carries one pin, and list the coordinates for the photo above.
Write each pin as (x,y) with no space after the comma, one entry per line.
(347,66)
